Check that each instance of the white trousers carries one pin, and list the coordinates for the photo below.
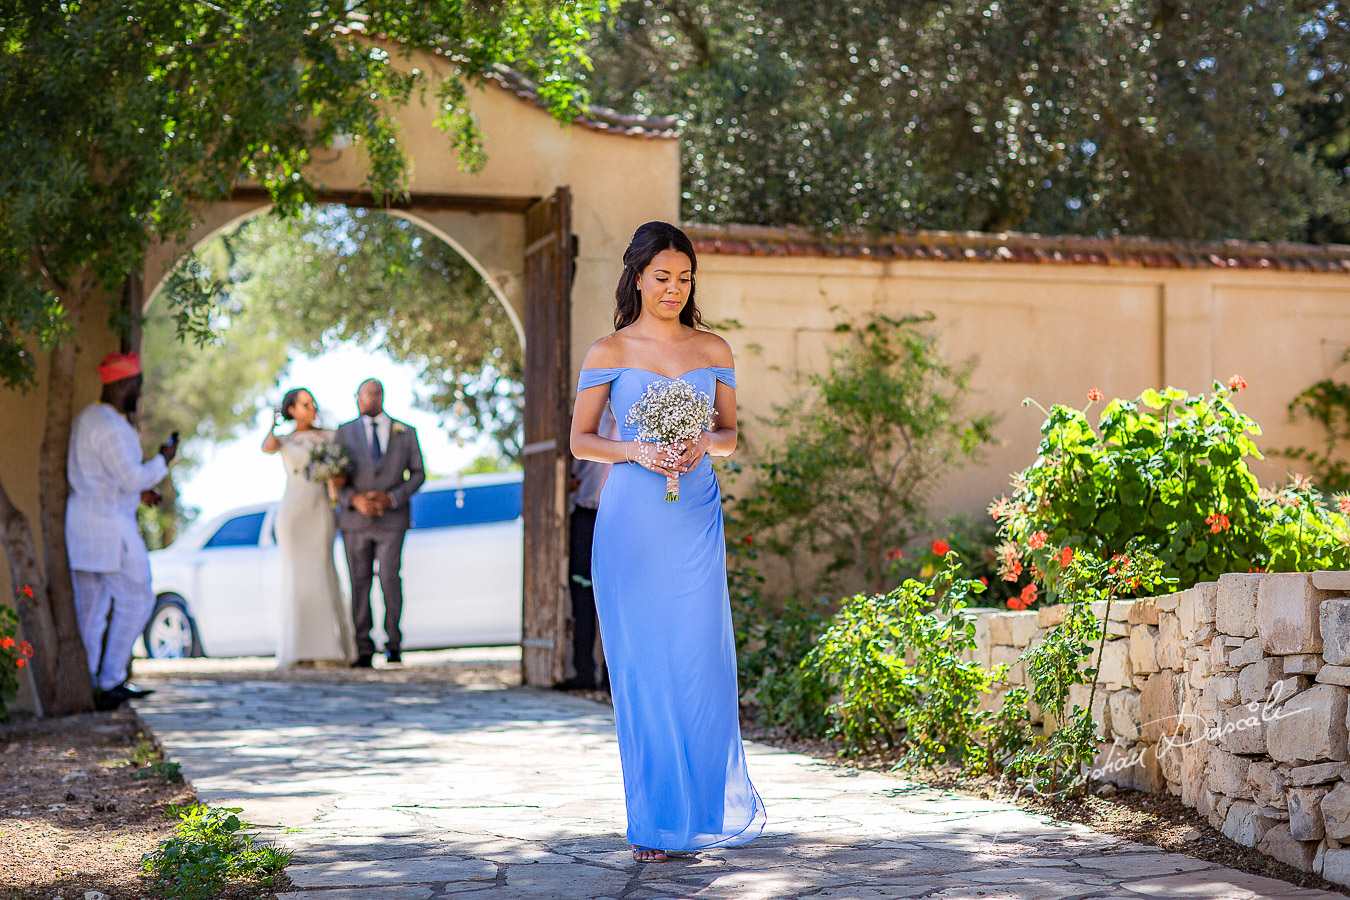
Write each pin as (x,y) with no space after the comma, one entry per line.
(128,596)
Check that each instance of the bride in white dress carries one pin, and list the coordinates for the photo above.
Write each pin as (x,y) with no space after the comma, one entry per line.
(314,620)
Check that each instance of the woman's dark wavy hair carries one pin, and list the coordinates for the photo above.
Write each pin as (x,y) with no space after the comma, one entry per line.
(292,397)
(649,240)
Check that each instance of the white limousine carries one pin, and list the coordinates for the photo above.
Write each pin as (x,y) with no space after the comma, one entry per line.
(218,586)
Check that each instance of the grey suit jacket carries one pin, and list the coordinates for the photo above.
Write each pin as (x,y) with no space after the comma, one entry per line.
(398,474)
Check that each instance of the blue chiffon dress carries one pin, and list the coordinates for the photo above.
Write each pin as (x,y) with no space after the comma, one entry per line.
(660,575)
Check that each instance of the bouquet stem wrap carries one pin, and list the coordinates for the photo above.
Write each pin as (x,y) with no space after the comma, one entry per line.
(671,413)
(328,462)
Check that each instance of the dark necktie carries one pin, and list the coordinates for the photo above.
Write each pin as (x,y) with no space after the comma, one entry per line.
(375,451)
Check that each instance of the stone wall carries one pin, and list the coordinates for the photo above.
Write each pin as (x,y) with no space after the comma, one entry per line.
(1232,696)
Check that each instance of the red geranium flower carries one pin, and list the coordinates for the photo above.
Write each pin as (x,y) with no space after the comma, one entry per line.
(6,642)
(26,648)
(1028,595)
(1016,603)
(893,555)
(25,590)
(20,663)
(1095,394)
(984,581)
(1217,522)
(941,547)
(1344,504)
(1237,383)
(1037,540)
(1065,557)
(749,539)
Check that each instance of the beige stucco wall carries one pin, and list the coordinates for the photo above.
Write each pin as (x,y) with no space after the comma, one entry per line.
(1047,331)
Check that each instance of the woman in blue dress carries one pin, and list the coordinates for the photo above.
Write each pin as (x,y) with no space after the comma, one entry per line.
(659,568)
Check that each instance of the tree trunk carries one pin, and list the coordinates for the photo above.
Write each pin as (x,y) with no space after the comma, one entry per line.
(72,691)
(25,573)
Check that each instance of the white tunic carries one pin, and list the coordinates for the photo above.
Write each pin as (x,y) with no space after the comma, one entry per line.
(107,477)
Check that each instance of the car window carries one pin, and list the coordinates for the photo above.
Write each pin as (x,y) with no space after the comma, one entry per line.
(241,531)
(466,506)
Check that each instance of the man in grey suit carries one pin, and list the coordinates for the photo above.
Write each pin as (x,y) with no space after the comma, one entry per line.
(386,471)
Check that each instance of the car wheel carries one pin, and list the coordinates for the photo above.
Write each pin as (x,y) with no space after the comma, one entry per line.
(171,633)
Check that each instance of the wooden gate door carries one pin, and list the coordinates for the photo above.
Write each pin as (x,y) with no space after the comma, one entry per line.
(548,413)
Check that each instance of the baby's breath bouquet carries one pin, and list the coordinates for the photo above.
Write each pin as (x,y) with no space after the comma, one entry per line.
(328,462)
(671,413)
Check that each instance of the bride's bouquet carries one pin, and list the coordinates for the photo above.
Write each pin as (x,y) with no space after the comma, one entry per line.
(328,462)
(671,413)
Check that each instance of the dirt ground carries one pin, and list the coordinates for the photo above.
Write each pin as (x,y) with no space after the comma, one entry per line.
(74,816)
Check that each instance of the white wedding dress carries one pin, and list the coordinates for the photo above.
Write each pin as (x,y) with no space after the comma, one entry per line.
(315,622)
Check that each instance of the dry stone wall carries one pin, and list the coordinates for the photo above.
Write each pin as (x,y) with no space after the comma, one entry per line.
(1232,695)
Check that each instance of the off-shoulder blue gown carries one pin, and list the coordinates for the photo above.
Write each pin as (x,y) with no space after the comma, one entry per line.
(660,575)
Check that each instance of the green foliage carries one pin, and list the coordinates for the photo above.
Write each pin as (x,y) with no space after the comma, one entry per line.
(976,542)
(1058,760)
(208,850)
(148,760)
(896,665)
(118,119)
(14,656)
(849,467)
(333,275)
(771,641)
(771,645)
(1327,405)
(1168,469)
(1107,116)
(1301,534)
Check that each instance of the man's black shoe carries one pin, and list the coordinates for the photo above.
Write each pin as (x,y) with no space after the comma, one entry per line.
(134,692)
(393,657)
(575,684)
(363,661)
(106,701)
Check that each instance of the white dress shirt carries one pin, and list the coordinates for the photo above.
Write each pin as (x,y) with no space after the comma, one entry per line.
(384,426)
(106,475)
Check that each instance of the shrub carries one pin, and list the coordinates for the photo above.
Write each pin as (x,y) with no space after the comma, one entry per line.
(208,850)
(14,656)
(1170,470)
(976,543)
(847,477)
(895,663)
(771,642)
(1058,759)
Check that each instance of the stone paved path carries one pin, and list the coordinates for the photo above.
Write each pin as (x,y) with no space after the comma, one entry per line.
(412,792)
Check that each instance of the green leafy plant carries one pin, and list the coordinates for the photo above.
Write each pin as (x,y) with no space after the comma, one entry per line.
(1057,761)
(210,848)
(898,668)
(846,475)
(1169,469)
(771,641)
(14,656)
(148,759)
(976,541)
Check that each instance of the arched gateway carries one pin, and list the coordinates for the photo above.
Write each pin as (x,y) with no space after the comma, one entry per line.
(545,222)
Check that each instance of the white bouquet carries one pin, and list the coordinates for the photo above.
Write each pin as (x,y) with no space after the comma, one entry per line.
(672,413)
(328,462)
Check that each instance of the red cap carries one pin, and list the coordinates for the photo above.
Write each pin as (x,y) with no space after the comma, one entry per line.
(116,366)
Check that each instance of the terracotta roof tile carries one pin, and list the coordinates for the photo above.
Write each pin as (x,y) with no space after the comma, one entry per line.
(758,240)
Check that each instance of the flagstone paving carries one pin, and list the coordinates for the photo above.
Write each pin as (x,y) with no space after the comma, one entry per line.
(415,791)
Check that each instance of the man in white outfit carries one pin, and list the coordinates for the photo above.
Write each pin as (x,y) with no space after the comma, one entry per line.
(108,559)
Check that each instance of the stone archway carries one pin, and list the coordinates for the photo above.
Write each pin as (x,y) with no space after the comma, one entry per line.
(528,264)
(550,253)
